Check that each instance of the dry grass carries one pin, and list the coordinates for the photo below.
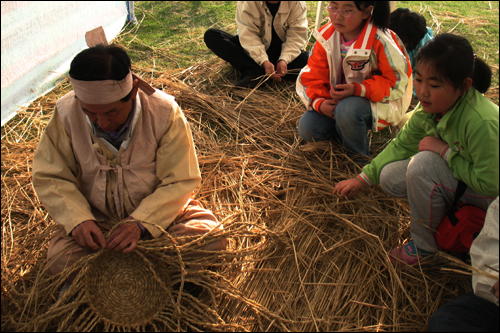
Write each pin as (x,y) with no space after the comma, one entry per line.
(299,258)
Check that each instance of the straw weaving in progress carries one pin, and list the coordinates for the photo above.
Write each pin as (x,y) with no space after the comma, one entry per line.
(292,255)
(297,258)
(148,289)
(126,289)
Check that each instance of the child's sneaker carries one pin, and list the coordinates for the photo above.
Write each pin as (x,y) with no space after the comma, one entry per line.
(408,254)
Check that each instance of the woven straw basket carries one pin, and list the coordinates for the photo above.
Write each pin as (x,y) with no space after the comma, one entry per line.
(126,289)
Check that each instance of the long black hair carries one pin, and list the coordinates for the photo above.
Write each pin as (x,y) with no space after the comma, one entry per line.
(101,62)
(453,60)
(380,14)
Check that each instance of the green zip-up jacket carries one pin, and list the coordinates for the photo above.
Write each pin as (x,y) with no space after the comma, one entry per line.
(470,129)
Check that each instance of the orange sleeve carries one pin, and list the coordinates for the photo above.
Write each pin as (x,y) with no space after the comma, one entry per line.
(316,78)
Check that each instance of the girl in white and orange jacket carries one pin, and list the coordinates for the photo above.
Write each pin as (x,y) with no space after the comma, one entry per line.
(357,78)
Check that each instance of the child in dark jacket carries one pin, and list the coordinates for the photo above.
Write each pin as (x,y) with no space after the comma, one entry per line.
(412,28)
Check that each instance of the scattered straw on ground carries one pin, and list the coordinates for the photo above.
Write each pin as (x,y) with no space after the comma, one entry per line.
(299,258)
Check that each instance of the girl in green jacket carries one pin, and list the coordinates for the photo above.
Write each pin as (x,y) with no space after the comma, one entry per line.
(451,136)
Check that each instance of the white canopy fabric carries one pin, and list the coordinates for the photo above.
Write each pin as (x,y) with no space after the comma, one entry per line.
(39,40)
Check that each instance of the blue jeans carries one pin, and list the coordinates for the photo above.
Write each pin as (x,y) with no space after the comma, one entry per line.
(350,126)
(467,313)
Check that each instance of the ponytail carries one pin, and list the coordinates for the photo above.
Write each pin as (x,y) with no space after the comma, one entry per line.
(453,59)
(381,12)
(481,77)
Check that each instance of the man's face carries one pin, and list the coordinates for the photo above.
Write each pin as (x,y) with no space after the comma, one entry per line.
(109,116)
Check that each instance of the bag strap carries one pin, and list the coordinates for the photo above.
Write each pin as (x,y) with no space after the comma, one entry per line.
(461,187)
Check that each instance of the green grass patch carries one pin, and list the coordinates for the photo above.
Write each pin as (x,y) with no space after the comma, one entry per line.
(170,33)
(475,20)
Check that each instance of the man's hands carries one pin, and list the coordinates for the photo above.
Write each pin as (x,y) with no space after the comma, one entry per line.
(281,69)
(125,237)
(88,235)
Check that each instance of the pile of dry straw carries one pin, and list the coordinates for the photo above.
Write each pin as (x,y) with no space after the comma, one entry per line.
(299,258)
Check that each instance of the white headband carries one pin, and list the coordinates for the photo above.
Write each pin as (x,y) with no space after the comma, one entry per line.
(102,92)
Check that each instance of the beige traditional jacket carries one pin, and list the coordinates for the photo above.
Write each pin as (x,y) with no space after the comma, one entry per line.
(80,177)
(254,19)
(484,253)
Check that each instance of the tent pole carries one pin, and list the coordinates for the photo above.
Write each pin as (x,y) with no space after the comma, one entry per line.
(131,13)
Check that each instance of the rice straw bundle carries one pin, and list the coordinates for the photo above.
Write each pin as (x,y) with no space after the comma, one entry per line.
(299,258)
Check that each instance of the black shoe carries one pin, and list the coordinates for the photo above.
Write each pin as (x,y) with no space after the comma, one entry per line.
(248,82)
(239,75)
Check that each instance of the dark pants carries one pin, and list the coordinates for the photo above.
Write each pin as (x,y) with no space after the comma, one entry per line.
(467,313)
(228,48)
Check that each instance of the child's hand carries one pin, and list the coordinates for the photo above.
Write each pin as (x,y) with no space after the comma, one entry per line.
(327,107)
(342,91)
(431,143)
(348,188)
(335,99)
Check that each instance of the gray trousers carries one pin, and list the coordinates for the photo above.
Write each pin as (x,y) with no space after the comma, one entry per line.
(427,182)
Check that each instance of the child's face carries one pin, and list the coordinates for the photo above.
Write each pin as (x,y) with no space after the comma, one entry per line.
(435,94)
(351,25)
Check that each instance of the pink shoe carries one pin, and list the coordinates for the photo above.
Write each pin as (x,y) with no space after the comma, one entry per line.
(408,254)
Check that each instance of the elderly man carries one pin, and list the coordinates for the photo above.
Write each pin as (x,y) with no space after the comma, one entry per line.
(110,153)
(271,35)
